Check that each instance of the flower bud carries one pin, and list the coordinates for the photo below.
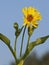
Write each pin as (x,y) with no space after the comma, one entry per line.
(30,30)
(16,26)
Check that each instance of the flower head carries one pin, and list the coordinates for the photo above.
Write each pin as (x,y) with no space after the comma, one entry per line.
(31,16)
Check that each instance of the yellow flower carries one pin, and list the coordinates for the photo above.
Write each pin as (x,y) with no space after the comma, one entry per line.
(31,16)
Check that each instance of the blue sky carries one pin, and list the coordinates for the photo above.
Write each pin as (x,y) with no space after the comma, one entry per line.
(10,12)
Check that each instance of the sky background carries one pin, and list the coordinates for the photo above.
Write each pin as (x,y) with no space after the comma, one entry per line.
(10,12)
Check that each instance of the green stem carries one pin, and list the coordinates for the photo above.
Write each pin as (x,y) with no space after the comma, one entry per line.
(28,43)
(15,45)
(26,52)
(22,41)
(13,53)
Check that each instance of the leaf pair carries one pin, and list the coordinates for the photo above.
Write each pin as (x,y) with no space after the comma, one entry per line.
(40,40)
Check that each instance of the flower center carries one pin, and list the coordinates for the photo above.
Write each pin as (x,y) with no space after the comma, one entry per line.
(29,18)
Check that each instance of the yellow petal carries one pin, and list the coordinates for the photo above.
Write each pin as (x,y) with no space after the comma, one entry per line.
(38,17)
(34,23)
(35,12)
(24,10)
(30,10)
(26,22)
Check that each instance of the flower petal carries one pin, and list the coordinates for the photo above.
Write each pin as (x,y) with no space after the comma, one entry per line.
(24,10)
(26,22)
(38,17)
(35,24)
(30,10)
(34,13)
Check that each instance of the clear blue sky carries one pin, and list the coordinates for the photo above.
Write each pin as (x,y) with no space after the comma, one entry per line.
(10,12)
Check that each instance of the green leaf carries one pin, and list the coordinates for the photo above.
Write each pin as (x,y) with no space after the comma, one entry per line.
(7,42)
(38,41)
(4,39)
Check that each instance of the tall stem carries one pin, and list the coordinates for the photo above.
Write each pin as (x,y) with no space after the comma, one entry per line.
(26,52)
(15,45)
(22,41)
(28,43)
